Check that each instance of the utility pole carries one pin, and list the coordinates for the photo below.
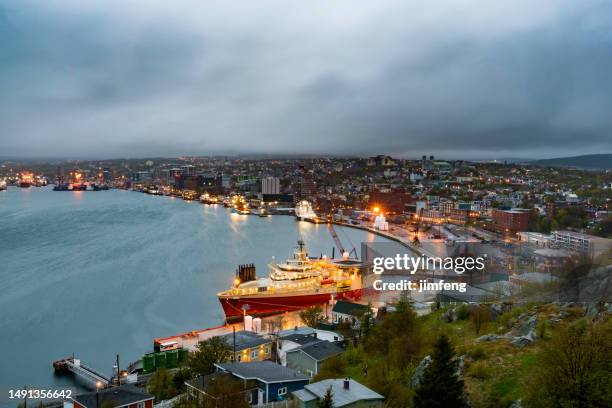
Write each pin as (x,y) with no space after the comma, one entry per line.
(234,346)
(118,371)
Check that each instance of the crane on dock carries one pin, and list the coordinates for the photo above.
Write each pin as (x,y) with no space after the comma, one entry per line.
(338,243)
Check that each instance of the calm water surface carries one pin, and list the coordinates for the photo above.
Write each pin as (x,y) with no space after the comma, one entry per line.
(100,273)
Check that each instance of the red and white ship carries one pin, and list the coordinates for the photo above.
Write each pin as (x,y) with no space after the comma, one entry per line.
(297,283)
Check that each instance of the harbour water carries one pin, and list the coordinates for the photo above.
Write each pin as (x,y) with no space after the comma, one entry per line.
(101,273)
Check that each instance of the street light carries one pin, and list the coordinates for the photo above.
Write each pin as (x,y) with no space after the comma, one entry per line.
(98,386)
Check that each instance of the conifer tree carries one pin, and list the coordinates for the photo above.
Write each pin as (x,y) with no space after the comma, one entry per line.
(328,400)
(440,385)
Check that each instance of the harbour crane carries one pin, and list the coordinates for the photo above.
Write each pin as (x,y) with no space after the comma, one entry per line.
(339,245)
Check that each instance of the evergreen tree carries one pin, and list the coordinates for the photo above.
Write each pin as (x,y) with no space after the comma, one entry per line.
(440,386)
(161,385)
(328,400)
(208,352)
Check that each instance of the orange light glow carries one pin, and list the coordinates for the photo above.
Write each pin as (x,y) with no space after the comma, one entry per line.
(376,210)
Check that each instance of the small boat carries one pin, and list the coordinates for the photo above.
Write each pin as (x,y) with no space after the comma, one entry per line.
(262,212)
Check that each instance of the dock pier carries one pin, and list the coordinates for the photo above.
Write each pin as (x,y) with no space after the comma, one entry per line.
(72,365)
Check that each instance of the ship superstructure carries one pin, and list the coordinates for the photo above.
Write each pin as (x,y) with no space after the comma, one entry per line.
(295,284)
(304,212)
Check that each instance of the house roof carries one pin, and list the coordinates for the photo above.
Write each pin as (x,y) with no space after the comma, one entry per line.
(115,397)
(319,351)
(301,339)
(264,371)
(296,330)
(326,326)
(471,294)
(304,395)
(203,383)
(245,339)
(342,397)
(349,308)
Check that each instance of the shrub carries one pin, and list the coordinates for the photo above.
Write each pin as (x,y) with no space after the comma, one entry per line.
(352,355)
(477,353)
(479,371)
(541,330)
(463,312)
(573,369)
(480,316)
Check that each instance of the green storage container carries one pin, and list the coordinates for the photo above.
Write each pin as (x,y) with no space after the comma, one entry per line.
(172,359)
(182,355)
(148,363)
(160,360)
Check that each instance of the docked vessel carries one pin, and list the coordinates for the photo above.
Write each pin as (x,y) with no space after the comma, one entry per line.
(304,212)
(189,195)
(207,198)
(26,179)
(240,205)
(297,283)
(262,212)
(3,185)
(40,181)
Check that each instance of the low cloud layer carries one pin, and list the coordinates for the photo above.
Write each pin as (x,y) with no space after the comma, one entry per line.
(464,78)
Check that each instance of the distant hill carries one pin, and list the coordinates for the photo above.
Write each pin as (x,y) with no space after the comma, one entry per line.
(587,161)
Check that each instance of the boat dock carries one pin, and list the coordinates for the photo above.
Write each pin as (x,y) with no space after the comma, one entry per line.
(189,340)
(73,365)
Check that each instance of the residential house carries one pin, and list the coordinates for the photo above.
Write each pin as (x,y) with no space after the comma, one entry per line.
(294,338)
(347,393)
(291,342)
(248,346)
(202,389)
(344,311)
(273,381)
(308,358)
(126,396)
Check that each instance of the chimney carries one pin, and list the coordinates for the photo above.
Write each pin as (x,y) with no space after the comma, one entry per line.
(346,383)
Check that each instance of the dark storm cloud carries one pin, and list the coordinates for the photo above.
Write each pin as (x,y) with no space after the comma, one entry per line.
(462,78)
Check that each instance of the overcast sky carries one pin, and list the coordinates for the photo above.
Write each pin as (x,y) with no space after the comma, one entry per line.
(457,79)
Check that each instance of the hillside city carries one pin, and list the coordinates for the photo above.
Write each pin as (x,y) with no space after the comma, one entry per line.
(512,341)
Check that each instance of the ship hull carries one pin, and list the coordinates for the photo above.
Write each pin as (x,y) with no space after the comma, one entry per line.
(307,219)
(270,305)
